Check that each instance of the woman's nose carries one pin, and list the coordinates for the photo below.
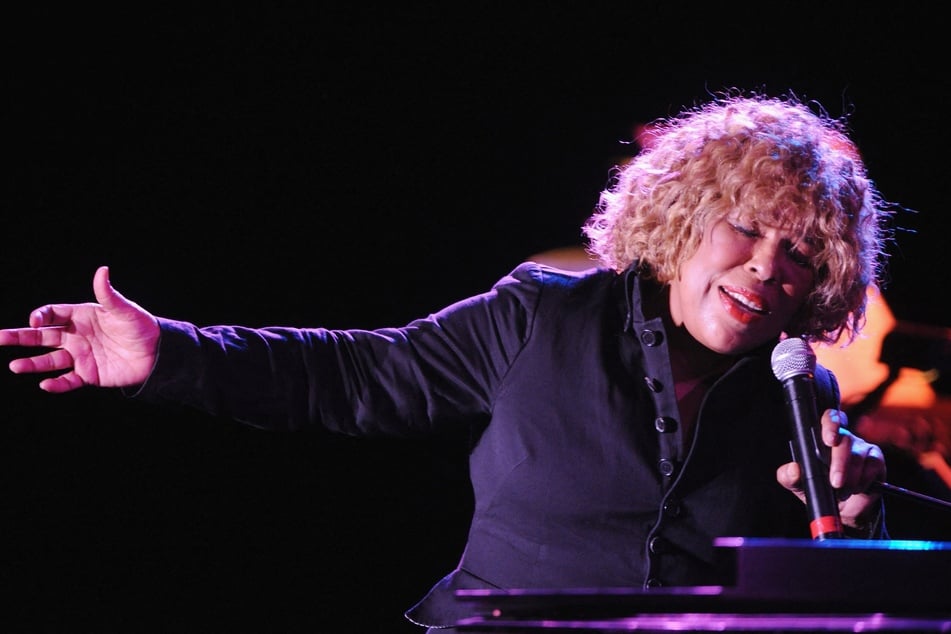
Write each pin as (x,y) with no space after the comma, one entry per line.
(764,260)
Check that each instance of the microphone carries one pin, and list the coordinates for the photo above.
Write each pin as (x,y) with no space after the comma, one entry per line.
(794,364)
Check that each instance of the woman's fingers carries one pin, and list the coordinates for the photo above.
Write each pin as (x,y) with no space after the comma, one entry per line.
(45,337)
(52,361)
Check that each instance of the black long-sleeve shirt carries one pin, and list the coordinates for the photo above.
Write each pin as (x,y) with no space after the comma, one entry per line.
(580,473)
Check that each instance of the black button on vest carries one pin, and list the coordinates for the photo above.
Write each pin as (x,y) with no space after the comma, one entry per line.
(665,425)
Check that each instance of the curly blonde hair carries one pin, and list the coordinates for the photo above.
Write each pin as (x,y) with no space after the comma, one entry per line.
(776,161)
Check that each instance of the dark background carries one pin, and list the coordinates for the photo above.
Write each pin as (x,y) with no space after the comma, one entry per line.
(351,167)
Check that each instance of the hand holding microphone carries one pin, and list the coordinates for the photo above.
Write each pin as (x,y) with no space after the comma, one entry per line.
(794,364)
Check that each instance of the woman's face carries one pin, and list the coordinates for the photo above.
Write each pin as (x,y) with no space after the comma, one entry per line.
(742,286)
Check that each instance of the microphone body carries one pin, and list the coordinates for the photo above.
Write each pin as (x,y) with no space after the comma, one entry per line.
(794,364)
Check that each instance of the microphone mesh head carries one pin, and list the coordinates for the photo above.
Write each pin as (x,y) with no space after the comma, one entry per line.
(793,357)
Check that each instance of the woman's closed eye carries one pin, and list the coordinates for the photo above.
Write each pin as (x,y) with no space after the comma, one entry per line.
(749,232)
(798,257)
(796,254)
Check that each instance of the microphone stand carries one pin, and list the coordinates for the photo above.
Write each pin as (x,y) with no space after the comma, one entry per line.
(897,491)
